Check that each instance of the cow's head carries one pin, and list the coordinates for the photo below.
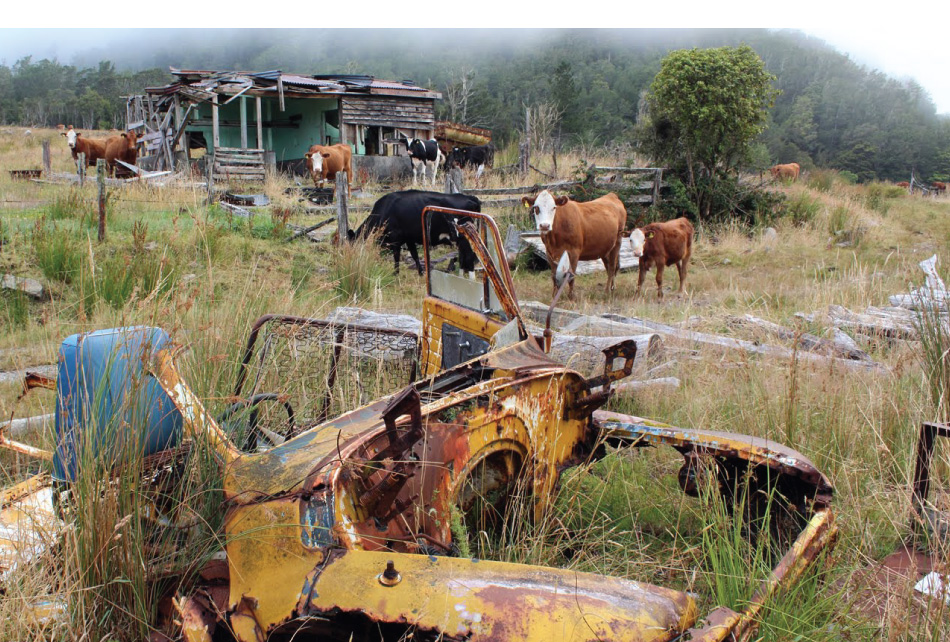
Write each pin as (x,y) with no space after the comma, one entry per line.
(315,163)
(544,207)
(638,240)
(71,137)
(455,158)
(131,138)
(774,170)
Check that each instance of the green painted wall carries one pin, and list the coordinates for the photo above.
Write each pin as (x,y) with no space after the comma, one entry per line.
(288,143)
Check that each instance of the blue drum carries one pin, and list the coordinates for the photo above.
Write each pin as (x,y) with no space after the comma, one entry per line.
(108,408)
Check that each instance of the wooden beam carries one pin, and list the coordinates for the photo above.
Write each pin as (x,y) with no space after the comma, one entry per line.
(243,123)
(215,126)
(260,123)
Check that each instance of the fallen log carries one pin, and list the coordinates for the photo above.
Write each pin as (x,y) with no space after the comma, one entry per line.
(632,387)
(17,427)
(844,349)
(536,310)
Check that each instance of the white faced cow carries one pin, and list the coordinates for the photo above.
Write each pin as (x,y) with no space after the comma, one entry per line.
(424,154)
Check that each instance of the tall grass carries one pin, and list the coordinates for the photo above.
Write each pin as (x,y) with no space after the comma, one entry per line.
(59,253)
(359,272)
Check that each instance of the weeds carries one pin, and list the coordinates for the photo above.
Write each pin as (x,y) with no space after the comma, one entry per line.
(14,308)
(358,272)
(803,209)
(68,206)
(58,254)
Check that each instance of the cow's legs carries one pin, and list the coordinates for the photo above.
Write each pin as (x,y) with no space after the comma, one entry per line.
(397,250)
(659,280)
(641,277)
(612,265)
(414,253)
(415,171)
(681,266)
(573,257)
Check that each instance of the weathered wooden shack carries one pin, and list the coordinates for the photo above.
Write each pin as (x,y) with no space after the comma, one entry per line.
(240,117)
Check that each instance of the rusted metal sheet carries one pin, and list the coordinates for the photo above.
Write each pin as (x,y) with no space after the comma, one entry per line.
(628,429)
(463,599)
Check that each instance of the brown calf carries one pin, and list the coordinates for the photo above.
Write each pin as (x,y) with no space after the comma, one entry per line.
(788,171)
(662,245)
(586,231)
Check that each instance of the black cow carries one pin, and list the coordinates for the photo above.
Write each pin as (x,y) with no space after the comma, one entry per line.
(398,217)
(478,156)
(424,154)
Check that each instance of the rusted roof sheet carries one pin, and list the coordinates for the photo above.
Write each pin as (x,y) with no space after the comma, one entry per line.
(266,81)
(307,81)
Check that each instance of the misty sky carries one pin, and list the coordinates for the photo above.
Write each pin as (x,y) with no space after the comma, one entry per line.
(902,47)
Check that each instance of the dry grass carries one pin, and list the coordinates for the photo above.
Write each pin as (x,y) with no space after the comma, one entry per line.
(858,428)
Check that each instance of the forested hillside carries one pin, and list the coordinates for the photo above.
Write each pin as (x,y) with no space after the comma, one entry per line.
(831,111)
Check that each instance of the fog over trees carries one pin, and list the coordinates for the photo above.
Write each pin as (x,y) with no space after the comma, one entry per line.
(830,112)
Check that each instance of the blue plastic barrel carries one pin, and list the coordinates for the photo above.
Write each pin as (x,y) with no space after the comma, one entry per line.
(107,405)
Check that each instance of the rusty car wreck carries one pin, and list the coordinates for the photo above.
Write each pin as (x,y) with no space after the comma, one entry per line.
(337,526)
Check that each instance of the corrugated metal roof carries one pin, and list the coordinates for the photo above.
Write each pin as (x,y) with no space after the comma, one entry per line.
(308,81)
(395,84)
(344,83)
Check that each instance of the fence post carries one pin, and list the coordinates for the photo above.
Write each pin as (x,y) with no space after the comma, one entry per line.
(209,169)
(47,164)
(81,168)
(101,180)
(454,181)
(342,216)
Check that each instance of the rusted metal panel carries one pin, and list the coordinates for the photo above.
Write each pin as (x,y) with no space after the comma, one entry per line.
(462,599)
(640,431)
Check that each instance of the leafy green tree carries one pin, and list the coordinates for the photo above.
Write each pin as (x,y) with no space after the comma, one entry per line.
(707,106)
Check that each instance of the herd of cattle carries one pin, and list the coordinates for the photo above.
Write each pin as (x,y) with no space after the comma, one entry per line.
(123,147)
(583,231)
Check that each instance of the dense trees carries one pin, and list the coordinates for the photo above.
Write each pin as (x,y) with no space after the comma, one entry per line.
(831,112)
(49,93)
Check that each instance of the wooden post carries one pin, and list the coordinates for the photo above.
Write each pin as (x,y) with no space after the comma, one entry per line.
(658,178)
(524,158)
(81,168)
(243,122)
(101,180)
(215,124)
(47,163)
(454,182)
(260,123)
(209,168)
(342,216)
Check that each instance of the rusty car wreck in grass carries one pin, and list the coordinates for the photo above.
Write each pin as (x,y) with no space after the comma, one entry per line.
(337,518)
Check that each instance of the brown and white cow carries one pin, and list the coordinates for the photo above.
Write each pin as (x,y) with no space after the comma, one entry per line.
(662,245)
(939,187)
(789,171)
(904,184)
(324,161)
(585,231)
(79,144)
(123,148)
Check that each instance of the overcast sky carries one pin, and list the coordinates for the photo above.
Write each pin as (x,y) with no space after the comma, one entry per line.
(902,42)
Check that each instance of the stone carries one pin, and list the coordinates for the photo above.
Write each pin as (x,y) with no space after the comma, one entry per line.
(31,287)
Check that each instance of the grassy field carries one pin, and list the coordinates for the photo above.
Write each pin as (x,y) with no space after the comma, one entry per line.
(204,275)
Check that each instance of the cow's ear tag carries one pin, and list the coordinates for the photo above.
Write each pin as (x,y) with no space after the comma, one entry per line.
(651,235)
(525,203)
